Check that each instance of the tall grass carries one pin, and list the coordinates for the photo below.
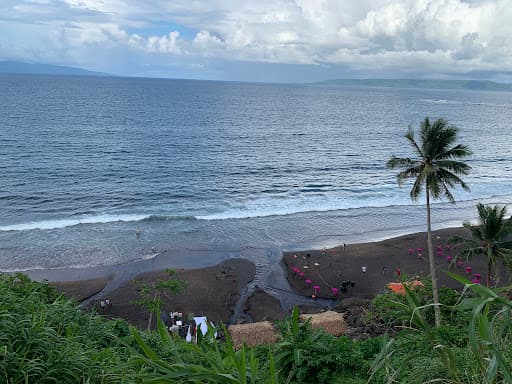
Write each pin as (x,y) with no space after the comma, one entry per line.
(485,357)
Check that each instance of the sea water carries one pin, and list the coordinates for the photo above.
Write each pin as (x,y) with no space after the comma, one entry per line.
(107,171)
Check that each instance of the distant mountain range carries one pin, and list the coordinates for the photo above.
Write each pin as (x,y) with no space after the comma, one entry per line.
(476,85)
(18,67)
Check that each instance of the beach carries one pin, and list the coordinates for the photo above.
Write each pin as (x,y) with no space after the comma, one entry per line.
(226,292)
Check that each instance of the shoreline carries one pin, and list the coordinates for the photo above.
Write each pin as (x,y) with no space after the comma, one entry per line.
(192,259)
(248,300)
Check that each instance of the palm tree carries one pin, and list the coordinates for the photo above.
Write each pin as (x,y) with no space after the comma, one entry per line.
(436,169)
(489,238)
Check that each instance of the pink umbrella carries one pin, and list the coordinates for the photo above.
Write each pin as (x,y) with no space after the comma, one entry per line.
(469,269)
(476,281)
(334,291)
(411,251)
(301,274)
(308,281)
(419,249)
(296,269)
(316,288)
(439,253)
(449,259)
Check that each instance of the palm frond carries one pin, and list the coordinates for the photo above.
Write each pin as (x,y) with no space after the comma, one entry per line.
(457,167)
(396,162)
(457,152)
(451,179)
(417,187)
(410,138)
(408,174)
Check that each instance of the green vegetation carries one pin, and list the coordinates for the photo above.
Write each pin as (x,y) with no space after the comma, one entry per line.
(434,168)
(45,338)
(490,237)
(149,294)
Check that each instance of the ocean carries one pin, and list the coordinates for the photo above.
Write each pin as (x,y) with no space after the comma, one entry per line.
(110,171)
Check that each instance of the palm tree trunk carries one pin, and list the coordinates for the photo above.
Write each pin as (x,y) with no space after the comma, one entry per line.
(151,312)
(489,270)
(435,292)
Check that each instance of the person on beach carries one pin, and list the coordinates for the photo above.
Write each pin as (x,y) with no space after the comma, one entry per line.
(363,270)
(398,272)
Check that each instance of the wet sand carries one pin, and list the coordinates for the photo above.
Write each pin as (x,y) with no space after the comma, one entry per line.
(216,291)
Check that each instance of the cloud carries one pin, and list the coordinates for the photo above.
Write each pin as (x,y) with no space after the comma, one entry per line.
(406,36)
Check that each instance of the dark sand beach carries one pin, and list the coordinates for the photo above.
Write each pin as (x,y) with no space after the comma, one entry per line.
(216,291)
(329,268)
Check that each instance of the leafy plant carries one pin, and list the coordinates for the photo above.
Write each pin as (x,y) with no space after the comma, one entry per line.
(149,294)
(490,237)
(218,363)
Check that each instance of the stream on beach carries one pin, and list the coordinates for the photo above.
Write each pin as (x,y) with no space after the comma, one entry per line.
(118,176)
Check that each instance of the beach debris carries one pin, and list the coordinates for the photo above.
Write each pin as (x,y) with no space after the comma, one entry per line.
(316,264)
(305,267)
(399,288)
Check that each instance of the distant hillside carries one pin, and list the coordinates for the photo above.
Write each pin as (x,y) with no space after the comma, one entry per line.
(16,67)
(477,85)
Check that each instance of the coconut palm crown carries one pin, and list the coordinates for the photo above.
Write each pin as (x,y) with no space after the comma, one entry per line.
(435,165)
(489,237)
(436,169)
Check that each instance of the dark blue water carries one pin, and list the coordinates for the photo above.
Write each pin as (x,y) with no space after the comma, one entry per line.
(220,168)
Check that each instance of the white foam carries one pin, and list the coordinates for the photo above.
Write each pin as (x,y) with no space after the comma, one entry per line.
(63,223)
(266,207)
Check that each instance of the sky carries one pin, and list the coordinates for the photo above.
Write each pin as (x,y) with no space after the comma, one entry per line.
(264,40)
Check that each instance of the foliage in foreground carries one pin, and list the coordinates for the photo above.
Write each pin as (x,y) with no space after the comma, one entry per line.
(423,353)
(45,338)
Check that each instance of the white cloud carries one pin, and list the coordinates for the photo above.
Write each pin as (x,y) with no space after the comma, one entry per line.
(437,36)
